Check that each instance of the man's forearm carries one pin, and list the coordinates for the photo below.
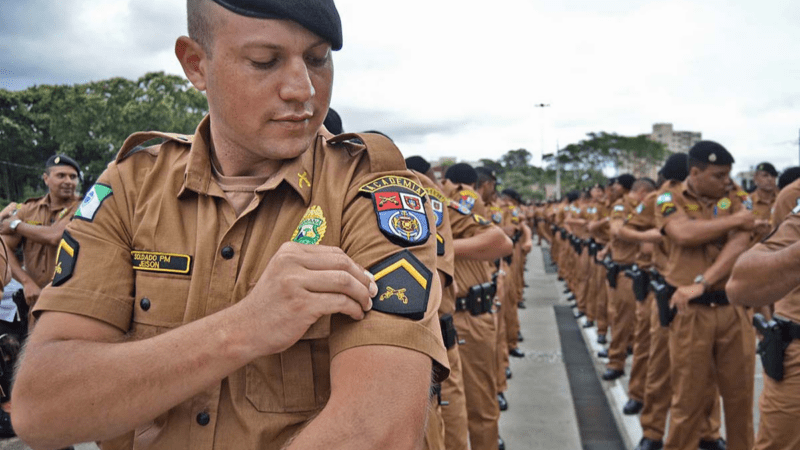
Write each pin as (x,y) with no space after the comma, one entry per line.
(17,271)
(747,285)
(723,265)
(627,233)
(162,371)
(50,235)
(691,233)
(487,246)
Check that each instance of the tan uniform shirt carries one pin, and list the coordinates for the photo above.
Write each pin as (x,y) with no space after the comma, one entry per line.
(788,202)
(445,260)
(676,200)
(166,248)
(466,224)
(643,219)
(623,252)
(40,259)
(787,234)
(762,205)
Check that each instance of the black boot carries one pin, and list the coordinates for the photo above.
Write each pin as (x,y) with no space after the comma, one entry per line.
(502,402)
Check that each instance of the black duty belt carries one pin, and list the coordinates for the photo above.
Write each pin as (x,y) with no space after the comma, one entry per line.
(479,299)
(713,298)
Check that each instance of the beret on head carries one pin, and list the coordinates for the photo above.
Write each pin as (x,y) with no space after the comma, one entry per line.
(461,173)
(333,122)
(626,180)
(788,177)
(676,167)
(573,195)
(62,160)
(317,16)
(487,171)
(767,167)
(418,163)
(710,152)
(511,193)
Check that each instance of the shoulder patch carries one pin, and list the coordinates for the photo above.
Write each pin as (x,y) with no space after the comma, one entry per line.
(640,208)
(619,208)
(312,227)
(439,245)
(664,198)
(161,262)
(66,255)
(92,202)
(399,207)
(481,220)
(667,209)
(438,201)
(725,203)
(691,207)
(466,199)
(458,207)
(404,285)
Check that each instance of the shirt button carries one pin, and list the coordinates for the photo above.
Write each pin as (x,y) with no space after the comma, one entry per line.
(203,418)
(145,304)
(227,252)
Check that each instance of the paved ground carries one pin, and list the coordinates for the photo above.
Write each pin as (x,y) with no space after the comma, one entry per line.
(542,413)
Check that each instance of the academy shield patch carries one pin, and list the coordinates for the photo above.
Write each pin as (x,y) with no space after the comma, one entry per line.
(92,202)
(467,199)
(404,285)
(438,200)
(312,227)
(66,255)
(458,207)
(399,207)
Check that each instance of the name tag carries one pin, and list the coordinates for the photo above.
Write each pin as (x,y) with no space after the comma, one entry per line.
(161,262)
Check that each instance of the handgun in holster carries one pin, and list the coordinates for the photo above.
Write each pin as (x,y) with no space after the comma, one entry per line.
(772,347)
(475,300)
(449,334)
(641,282)
(592,248)
(612,270)
(489,290)
(663,292)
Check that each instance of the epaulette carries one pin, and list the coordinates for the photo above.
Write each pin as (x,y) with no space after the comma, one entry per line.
(384,156)
(131,144)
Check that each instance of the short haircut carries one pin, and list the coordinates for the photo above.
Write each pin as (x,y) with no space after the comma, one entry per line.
(201,26)
(483,177)
(693,162)
(644,184)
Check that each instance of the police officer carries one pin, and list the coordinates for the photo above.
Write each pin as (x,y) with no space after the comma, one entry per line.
(249,285)
(766,190)
(707,227)
(776,260)
(38,223)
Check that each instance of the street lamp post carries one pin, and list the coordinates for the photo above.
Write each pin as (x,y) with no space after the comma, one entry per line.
(541,128)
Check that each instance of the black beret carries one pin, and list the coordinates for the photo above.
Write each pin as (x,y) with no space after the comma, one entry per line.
(461,173)
(333,122)
(487,171)
(676,167)
(418,163)
(318,16)
(512,193)
(626,180)
(788,177)
(712,153)
(572,196)
(62,160)
(767,167)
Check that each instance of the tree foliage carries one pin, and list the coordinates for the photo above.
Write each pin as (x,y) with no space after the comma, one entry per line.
(88,122)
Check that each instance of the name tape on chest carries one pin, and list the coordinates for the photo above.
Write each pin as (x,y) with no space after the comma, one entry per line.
(404,285)
(399,205)
(161,262)
(92,202)
(66,256)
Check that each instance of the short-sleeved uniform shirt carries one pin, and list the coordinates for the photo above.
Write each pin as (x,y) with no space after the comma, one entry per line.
(600,211)
(675,200)
(643,219)
(787,202)
(762,204)
(445,253)
(787,234)
(164,247)
(40,259)
(622,251)
(466,222)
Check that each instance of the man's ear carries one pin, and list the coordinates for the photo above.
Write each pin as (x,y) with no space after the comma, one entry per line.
(192,58)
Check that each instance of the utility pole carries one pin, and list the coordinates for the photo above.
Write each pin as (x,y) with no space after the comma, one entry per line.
(541,129)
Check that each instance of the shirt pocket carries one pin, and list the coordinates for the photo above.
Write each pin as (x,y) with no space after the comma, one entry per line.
(160,303)
(296,380)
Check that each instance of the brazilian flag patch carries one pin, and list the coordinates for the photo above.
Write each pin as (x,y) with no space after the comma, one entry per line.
(404,286)
(66,255)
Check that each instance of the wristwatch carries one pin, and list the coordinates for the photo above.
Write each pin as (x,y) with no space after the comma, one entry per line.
(13,225)
(700,279)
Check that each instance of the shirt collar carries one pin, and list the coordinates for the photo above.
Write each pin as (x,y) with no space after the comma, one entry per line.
(297,173)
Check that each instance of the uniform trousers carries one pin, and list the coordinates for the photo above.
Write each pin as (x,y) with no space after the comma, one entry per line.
(478,362)
(623,313)
(779,406)
(454,414)
(601,314)
(501,346)
(592,287)
(641,349)
(583,280)
(658,391)
(513,297)
(708,343)
(434,433)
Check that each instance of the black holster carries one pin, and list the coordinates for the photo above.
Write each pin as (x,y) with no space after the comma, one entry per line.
(663,292)
(612,270)
(772,348)
(449,334)
(641,282)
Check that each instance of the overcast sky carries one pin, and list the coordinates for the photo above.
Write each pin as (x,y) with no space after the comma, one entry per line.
(461,78)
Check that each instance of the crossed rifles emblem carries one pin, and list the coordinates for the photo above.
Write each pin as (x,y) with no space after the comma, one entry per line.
(386,200)
(399,293)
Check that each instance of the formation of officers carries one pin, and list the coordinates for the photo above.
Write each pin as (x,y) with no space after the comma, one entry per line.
(273,283)
(649,264)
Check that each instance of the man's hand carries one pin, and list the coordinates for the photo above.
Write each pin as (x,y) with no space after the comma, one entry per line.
(746,219)
(32,291)
(762,227)
(5,227)
(301,284)
(8,211)
(684,294)
(526,247)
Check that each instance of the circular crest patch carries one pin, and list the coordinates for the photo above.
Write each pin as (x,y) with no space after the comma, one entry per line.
(725,203)
(312,227)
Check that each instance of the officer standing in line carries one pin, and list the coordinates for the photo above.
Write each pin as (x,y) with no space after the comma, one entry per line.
(229,266)
(38,223)
(776,260)
(764,196)
(447,424)
(622,309)
(578,224)
(596,281)
(707,227)
(522,246)
(599,228)
(476,242)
